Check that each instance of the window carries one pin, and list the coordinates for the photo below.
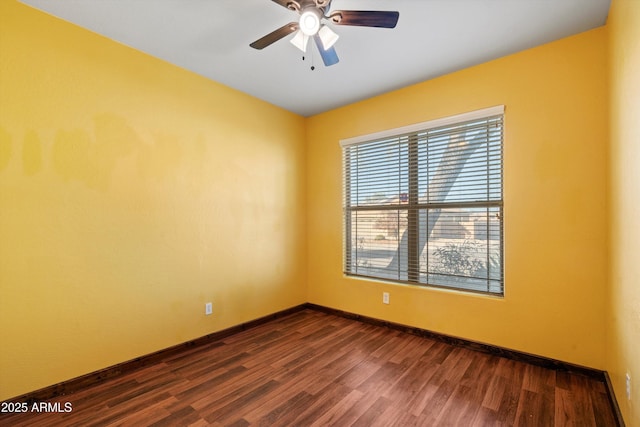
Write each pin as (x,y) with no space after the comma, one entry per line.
(423,204)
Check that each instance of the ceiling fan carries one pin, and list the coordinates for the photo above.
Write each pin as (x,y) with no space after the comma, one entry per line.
(309,25)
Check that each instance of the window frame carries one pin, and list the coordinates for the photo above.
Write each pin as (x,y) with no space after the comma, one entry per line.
(413,257)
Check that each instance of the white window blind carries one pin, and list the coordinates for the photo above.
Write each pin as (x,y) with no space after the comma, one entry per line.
(423,205)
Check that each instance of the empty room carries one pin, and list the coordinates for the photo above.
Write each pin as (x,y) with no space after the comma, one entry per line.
(320,212)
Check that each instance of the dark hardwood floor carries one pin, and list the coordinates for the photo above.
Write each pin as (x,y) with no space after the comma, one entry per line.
(314,368)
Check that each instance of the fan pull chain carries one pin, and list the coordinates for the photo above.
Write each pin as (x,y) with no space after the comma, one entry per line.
(312,60)
(313,67)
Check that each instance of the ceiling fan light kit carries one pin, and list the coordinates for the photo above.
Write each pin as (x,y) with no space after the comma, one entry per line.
(310,21)
(328,37)
(300,40)
(310,25)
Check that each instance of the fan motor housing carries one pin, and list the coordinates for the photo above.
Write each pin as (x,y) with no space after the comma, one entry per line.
(302,5)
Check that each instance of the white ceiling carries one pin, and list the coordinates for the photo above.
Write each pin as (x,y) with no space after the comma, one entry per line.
(432,38)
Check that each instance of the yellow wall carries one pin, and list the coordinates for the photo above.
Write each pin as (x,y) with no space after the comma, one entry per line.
(623,338)
(131,193)
(555,175)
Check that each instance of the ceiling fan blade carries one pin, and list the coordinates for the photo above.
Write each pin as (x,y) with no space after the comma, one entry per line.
(283,3)
(274,36)
(365,18)
(329,56)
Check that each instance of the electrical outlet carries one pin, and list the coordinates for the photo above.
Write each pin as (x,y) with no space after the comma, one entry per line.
(385,297)
(208,308)
(628,386)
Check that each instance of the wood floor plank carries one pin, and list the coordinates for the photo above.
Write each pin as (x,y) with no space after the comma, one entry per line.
(338,410)
(439,395)
(486,417)
(359,408)
(603,416)
(418,403)
(460,409)
(513,372)
(534,409)
(213,399)
(285,413)
(312,368)
(242,402)
(373,416)
(321,403)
